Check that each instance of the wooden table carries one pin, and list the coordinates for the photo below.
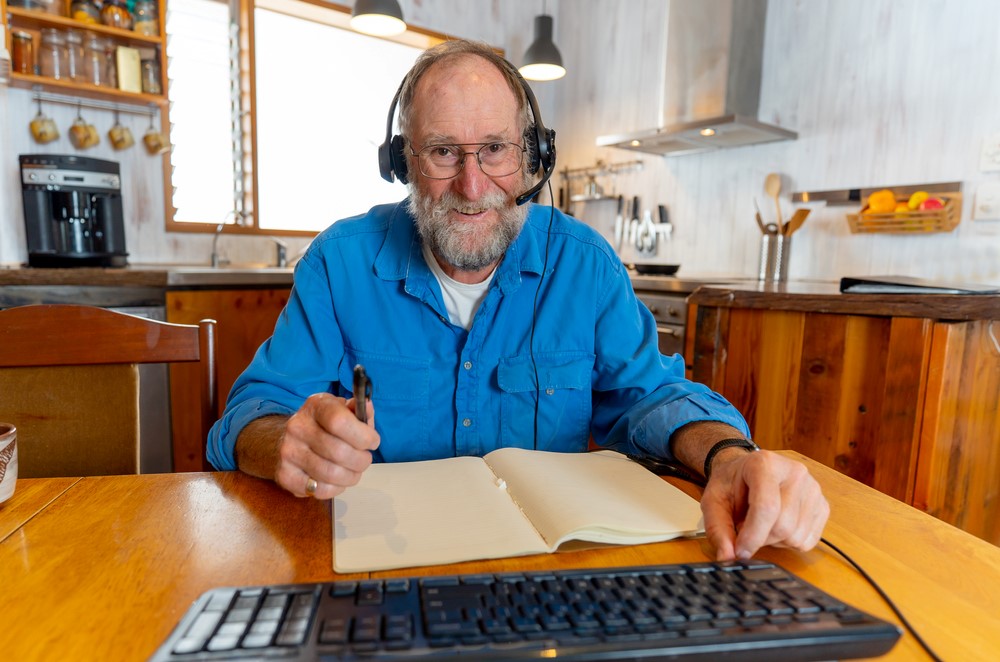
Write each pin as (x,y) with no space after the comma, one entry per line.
(102,568)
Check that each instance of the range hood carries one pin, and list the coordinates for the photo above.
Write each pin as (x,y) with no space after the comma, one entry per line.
(711,87)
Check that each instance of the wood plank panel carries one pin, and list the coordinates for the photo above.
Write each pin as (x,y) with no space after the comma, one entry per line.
(904,371)
(959,462)
(245,319)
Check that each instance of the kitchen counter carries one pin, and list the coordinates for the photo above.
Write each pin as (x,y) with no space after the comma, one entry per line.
(156,276)
(825,297)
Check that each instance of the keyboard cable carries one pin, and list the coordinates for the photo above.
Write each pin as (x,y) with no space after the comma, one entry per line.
(886,598)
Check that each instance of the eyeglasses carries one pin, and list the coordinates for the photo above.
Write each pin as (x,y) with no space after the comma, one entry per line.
(497,159)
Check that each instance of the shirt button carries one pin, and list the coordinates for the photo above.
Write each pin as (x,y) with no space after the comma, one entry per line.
(443,319)
(467,365)
(467,422)
(549,391)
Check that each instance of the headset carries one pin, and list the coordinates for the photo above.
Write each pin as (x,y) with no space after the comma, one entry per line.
(541,144)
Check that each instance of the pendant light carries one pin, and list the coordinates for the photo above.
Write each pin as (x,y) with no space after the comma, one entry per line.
(379,18)
(542,60)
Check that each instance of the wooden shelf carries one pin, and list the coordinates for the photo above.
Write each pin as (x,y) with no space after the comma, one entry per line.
(27,81)
(34,21)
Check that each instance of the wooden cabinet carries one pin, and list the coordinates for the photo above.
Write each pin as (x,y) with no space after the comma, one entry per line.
(246,318)
(900,393)
(33,21)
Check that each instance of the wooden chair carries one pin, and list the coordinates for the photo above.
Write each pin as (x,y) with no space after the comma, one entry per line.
(69,382)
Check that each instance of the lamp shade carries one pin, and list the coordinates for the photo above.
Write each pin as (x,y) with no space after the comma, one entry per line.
(379,18)
(542,60)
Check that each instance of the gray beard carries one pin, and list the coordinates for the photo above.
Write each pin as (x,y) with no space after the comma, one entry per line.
(463,245)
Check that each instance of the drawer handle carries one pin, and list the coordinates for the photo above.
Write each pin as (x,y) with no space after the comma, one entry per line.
(666,330)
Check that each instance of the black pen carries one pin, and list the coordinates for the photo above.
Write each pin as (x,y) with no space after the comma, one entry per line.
(362,393)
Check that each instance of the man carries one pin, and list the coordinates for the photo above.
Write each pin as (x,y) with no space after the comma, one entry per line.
(486,324)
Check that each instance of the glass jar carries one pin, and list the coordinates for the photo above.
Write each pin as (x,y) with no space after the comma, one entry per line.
(52,54)
(74,55)
(110,62)
(95,63)
(116,15)
(151,76)
(146,17)
(22,49)
(85,11)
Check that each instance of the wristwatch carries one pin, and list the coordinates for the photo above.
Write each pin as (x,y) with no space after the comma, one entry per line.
(746,444)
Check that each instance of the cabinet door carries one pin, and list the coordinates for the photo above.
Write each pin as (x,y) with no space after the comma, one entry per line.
(245,319)
(845,390)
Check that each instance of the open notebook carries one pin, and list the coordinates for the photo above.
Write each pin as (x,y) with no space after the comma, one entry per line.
(512,502)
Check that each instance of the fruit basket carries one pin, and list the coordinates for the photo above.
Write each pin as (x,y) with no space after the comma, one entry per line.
(944,219)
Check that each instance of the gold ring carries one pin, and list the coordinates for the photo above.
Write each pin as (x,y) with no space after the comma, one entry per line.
(311,486)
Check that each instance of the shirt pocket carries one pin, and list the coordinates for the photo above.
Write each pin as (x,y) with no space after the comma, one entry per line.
(564,400)
(401,395)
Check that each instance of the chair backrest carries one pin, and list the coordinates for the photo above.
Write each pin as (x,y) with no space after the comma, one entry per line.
(56,340)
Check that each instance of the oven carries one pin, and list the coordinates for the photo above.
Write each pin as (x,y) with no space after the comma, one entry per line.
(670,313)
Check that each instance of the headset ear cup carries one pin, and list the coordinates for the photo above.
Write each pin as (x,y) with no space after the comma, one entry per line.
(548,155)
(397,154)
(533,156)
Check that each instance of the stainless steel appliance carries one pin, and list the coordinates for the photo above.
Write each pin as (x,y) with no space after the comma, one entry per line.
(670,313)
(72,211)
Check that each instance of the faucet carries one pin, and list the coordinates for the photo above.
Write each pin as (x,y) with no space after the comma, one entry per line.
(281,254)
(215,245)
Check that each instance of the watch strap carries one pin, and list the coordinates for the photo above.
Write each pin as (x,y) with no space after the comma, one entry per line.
(745,444)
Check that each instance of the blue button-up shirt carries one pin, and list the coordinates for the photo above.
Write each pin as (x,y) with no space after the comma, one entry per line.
(364,294)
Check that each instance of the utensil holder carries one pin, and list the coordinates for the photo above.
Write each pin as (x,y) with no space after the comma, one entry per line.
(782,254)
(774,256)
(766,261)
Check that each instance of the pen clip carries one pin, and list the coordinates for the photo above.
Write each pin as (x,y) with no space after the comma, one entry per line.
(362,393)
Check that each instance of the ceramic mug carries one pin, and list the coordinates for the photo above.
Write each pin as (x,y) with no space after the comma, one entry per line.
(120,137)
(8,460)
(156,142)
(83,135)
(43,129)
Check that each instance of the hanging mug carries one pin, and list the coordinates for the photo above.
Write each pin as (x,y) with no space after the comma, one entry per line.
(83,135)
(43,128)
(155,141)
(120,136)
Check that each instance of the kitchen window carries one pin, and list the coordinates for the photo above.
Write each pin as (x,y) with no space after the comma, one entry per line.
(285,141)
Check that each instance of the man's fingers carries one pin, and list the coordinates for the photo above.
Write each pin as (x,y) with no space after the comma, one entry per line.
(720,530)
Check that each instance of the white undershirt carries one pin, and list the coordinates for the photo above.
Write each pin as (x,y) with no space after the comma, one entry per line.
(461,300)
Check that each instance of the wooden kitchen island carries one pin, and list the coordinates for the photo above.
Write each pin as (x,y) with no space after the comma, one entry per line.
(901,392)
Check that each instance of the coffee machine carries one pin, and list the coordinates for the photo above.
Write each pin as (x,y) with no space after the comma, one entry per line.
(72,211)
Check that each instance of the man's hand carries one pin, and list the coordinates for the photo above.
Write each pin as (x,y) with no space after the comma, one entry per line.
(761,498)
(323,441)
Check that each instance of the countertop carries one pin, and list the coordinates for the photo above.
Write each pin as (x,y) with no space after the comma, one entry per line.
(825,297)
(156,276)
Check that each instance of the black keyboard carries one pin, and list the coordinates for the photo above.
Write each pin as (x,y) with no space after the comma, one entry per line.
(741,611)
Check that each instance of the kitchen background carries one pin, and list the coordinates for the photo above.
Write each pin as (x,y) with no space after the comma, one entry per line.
(880,92)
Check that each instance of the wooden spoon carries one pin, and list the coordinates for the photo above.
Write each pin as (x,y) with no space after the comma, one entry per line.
(772,186)
(798,218)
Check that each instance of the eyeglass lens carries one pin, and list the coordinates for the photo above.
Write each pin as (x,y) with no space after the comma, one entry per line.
(446,161)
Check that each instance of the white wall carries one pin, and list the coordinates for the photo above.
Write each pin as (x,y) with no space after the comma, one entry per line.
(880,92)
